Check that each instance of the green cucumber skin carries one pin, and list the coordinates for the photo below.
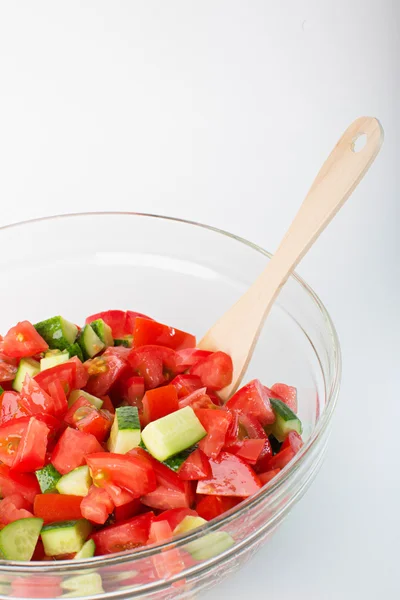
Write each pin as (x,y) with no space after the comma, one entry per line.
(89,342)
(285,420)
(48,477)
(175,462)
(53,332)
(127,417)
(126,342)
(75,350)
(103,331)
(1,390)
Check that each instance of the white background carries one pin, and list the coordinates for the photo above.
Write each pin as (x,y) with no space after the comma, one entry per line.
(223,112)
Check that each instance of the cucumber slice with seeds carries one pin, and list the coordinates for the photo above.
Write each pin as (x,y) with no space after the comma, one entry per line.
(172,434)
(90,342)
(48,477)
(285,420)
(75,483)
(103,331)
(125,432)
(18,539)
(27,366)
(76,394)
(65,537)
(57,332)
(53,358)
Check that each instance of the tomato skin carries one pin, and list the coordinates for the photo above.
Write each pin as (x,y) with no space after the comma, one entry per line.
(216,423)
(132,391)
(124,536)
(97,505)
(103,372)
(14,507)
(164,498)
(128,510)
(191,356)
(196,467)
(108,405)
(87,418)
(148,332)
(168,562)
(250,450)
(231,476)
(174,516)
(215,371)
(253,400)
(197,399)
(286,393)
(81,374)
(280,460)
(164,475)
(65,374)
(211,507)
(72,448)
(131,317)
(294,441)
(18,483)
(10,438)
(115,319)
(8,368)
(264,458)
(23,340)
(131,473)
(268,475)
(186,384)
(57,507)
(57,393)
(31,453)
(159,402)
(34,400)
(156,364)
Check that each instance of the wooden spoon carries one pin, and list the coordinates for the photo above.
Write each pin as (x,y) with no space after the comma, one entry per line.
(237,331)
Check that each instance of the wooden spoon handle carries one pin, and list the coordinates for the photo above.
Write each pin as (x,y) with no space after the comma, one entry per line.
(239,328)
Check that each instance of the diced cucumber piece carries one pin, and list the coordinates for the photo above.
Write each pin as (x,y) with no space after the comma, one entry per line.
(18,539)
(173,433)
(87,551)
(126,341)
(65,537)
(48,477)
(76,394)
(75,483)
(57,332)
(208,546)
(285,420)
(175,462)
(125,432)
(103,331)
(83,585)
(90,342)
(75,350)
(53,358)
(27,366)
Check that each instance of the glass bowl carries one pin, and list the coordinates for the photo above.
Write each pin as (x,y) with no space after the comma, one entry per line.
(187,275)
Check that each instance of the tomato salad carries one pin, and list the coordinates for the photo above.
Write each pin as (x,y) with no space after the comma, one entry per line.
(113,436)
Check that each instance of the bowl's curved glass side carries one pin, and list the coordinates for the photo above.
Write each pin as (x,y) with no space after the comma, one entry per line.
(185,275)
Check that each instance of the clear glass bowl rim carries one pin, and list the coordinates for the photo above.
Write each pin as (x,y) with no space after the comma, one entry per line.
(283,477)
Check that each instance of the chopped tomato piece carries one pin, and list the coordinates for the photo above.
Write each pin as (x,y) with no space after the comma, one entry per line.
(293,440)
(88,419)
(116,319)
(119,496)
(57,393)
(186,384)
(167,562)
(10,407)
(264,458)
(216,423)
(164,475)
(286,393)
(8,368)
(14,507)
(231,476)
(97,505)
(197,399)
(253,400)
(250,450)
(191,356)
(215,371)
(72,448)
(134,474)
(23,340)
(81,374)
(128,510)
(65,374)
(57,507)
(174,516)
(10,438)
(103,373)
(124,536)
(250,427)
(131,317)
(148,332)
(34,400)
(211,507)
(233,431)
(132,391)
(31,452)
(18,483)
(196,467)
(159,402)
(268,475)
(280,460)
(107,404)
(156,364)
(164,498)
